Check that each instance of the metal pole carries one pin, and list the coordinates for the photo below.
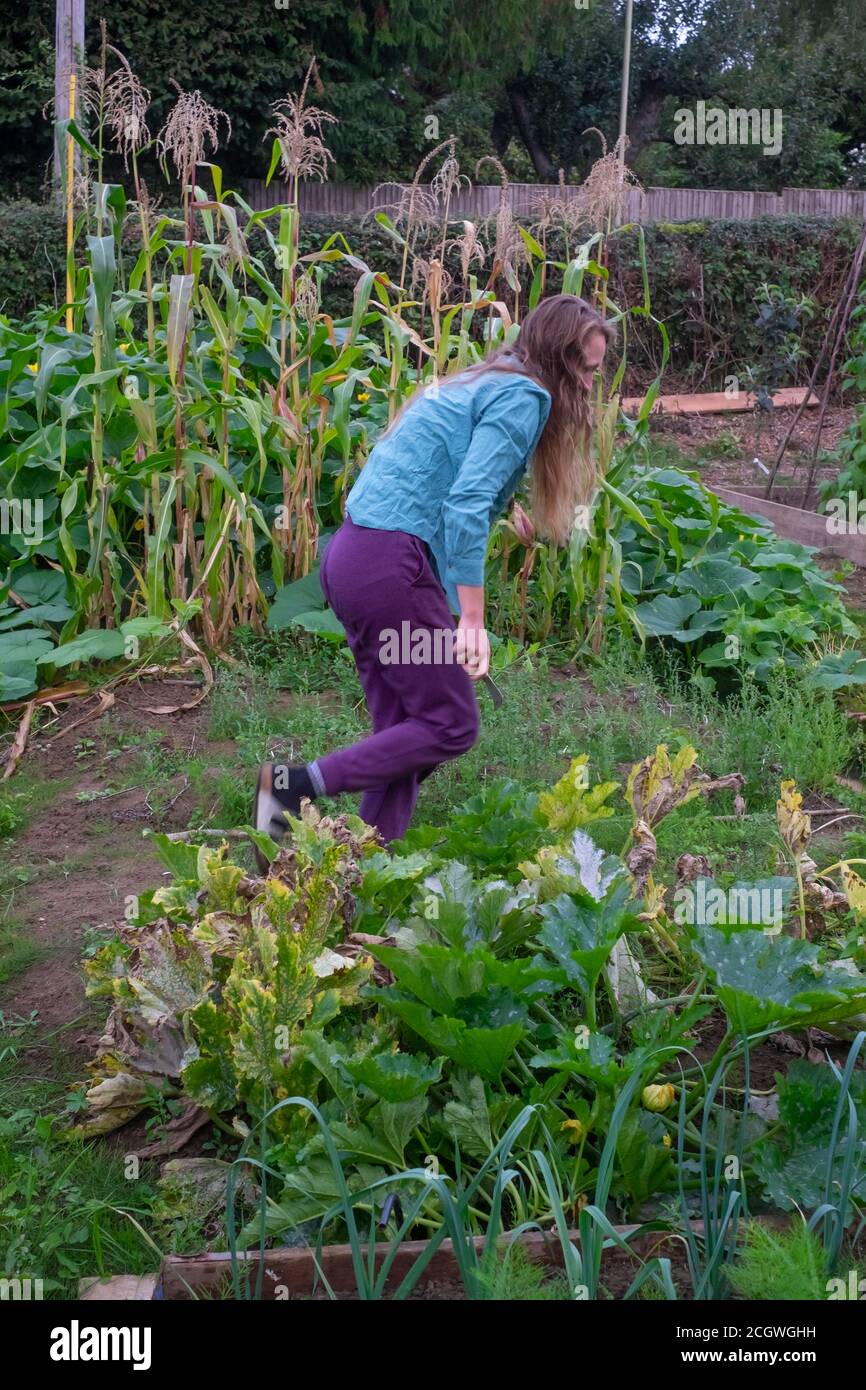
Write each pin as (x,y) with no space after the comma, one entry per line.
(626,68)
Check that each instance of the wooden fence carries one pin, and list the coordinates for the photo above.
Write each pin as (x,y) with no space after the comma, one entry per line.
(644,205)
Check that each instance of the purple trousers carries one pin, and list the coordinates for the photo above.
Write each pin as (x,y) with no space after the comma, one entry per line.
(424,711)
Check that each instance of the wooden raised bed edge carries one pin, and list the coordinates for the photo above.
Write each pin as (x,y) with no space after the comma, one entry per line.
(292,1270)
(794,524)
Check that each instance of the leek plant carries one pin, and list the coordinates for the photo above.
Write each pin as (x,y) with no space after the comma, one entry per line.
(833,1217)
(476,1258)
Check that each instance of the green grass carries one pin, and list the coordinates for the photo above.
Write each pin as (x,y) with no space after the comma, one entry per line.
(16,951)
(69,1209)
(66,1206)
(618,712)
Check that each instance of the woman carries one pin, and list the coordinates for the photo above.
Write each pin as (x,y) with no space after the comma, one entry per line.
(414,541)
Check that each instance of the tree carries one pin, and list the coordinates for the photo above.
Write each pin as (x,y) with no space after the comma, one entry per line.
(526,78)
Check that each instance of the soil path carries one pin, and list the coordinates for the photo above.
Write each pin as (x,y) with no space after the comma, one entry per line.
(85,850)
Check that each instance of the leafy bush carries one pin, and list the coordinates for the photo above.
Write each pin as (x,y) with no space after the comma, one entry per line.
(808,255)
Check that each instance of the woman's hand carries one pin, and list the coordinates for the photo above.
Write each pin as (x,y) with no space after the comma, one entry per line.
(472,648)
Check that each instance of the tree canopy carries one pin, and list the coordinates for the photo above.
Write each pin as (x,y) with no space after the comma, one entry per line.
(526,79)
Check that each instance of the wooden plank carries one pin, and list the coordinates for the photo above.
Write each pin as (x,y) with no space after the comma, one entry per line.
(291,1271)
(139,1288)
(68,58)
(717,402)
(794,524)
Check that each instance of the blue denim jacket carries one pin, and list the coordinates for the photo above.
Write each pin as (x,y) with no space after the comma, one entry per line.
(450,466)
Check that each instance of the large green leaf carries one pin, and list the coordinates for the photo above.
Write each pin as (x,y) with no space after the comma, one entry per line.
(793,1163)
(474,986)
(666,616)
(323,623)
(40,586)
(17,683)
(580,932)
(774,981)
(644,1166)
(395,1076)
(26,646)
(582,1054)
(301,596)
(481,1050)
(712,577)
(11,618)
(99,644)
(467,1117)
(836,671)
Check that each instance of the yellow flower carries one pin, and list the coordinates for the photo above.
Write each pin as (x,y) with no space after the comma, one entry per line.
(123,347)
(666,1140)
(577,1130)
(657,1098)
(33,367)
(138,525)
(363,395)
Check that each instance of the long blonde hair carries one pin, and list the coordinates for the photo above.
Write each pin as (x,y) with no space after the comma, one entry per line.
(550,349)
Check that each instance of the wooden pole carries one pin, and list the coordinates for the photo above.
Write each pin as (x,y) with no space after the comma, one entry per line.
(68,53)
(626,72)
(70,199)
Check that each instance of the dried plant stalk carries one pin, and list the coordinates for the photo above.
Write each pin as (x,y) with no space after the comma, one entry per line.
(298,131)
(126,104)
(509,251)
(604,194)
(470,247)
(191,130)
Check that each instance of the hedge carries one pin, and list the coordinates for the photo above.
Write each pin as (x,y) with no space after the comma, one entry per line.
(703,276)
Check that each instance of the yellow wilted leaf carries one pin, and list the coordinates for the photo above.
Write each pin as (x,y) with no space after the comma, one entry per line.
(572,803)
(641,858)
(855,891)
(660,783)
(795,827)
(653,900)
